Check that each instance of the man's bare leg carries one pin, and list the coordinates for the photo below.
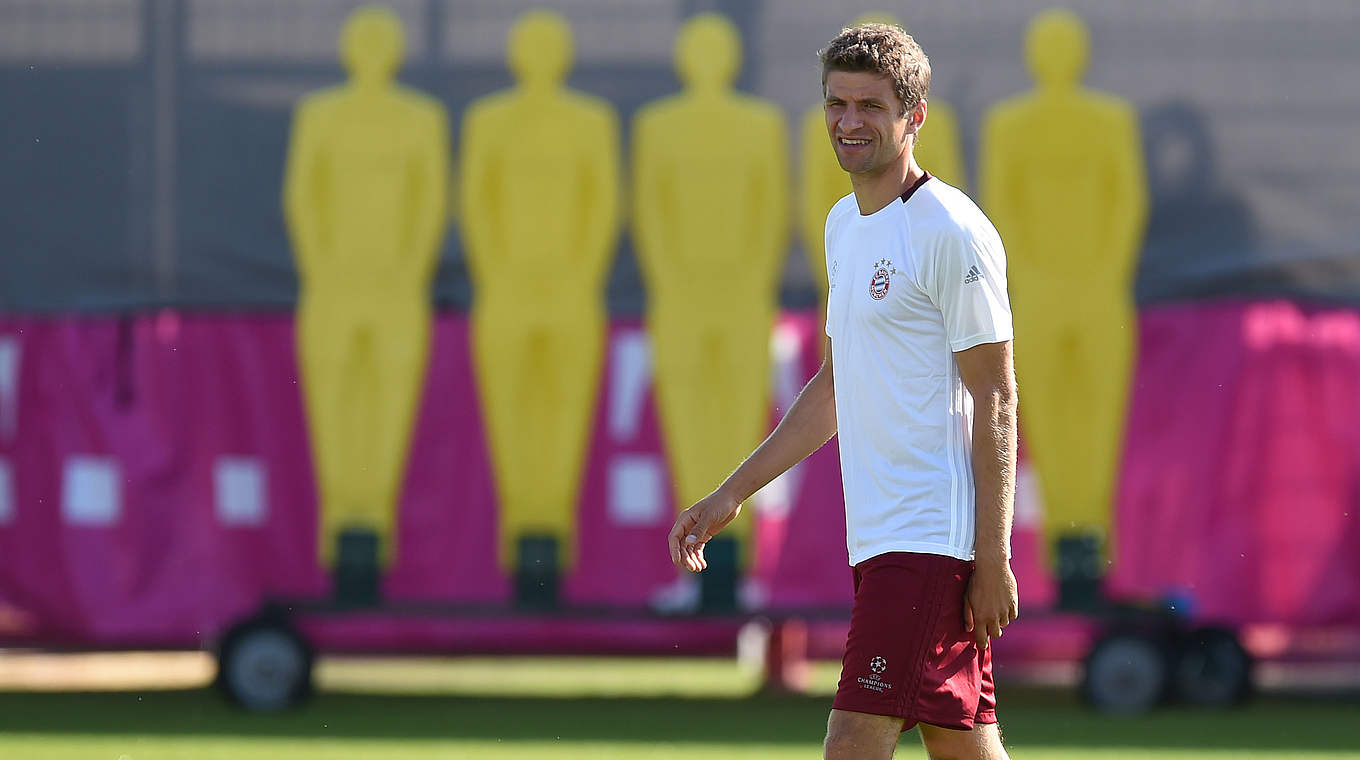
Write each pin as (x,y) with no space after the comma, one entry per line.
(861,736)
(982,743)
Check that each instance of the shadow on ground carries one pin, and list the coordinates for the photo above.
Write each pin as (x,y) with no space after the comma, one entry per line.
(1033,718)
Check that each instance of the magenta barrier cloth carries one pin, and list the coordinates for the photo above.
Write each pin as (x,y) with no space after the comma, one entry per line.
(1241,477)
(162,399)
(514,635)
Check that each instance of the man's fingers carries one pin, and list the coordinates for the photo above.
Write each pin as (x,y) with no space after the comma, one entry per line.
(967,616)
(673,543)
(694,558)
(682,537)
(689,542)
(983,628)
(694,545)
(678,532)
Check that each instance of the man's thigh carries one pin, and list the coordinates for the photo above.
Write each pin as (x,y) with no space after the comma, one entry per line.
(981,743)
(861,736)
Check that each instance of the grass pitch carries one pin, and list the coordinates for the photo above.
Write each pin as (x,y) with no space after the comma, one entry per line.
(608,709)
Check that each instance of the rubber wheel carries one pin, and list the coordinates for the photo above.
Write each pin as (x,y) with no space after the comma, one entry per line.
(265,666)
(1126,673)
(1212,669)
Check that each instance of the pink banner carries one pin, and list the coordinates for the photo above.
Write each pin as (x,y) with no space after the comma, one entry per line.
(155,482)
(130,443)
(1241,478)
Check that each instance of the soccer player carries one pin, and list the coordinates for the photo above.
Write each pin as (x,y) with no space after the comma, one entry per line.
(917,381)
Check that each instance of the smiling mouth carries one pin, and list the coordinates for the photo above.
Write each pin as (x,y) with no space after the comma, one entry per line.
(853,143)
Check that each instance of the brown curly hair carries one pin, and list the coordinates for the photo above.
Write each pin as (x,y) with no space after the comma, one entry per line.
(881,49)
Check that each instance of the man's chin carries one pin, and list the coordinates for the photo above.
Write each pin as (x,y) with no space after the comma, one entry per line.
(854,167)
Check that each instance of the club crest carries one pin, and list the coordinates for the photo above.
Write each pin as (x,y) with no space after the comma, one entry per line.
(878,286)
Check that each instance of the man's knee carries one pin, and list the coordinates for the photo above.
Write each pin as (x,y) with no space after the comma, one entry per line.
(982,743)
(839,745)
(860,736)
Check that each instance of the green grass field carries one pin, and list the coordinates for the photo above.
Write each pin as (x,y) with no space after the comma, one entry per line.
(563,710)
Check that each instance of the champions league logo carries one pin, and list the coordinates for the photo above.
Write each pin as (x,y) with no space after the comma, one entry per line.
(878,286)
(875,681)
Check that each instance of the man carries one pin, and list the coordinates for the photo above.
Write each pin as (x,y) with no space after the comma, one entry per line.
(919,323)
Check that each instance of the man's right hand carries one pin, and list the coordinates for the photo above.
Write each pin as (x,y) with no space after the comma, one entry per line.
(696,525)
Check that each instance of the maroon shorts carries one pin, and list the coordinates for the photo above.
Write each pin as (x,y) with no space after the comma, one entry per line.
(908,654)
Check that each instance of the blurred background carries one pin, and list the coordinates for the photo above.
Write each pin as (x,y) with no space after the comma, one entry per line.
(355,359)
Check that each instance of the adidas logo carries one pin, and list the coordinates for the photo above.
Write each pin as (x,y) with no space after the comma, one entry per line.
(973,276)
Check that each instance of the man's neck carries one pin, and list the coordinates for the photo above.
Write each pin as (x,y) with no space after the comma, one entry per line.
(876,190)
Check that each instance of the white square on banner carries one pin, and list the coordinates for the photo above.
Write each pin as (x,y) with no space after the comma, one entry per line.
(777,497)
(637,494)
(1029,500)
(6,493)
(630,375)
(240,487)
(90,492)
(9,386)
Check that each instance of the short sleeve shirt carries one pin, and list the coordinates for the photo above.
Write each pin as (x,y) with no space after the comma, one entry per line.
(910,284)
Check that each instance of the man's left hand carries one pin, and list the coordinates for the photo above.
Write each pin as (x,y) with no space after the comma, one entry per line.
(992,601)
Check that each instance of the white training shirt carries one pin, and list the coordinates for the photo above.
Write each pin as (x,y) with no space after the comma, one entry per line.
(910,284)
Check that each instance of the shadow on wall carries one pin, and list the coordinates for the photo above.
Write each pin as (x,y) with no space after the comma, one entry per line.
(1199,232)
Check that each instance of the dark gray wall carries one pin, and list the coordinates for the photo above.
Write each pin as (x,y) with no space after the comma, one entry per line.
(141,165)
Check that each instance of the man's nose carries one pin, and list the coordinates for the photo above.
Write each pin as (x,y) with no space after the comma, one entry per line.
(851,119)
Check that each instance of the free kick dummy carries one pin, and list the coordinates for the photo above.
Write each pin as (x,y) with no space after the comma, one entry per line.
(1062,177)
(938,149)
(364,200)
(540,216)
(711,228)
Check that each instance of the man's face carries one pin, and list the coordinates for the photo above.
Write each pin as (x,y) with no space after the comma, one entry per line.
(866,122)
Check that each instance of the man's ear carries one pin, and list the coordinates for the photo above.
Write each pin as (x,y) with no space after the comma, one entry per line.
(916,118)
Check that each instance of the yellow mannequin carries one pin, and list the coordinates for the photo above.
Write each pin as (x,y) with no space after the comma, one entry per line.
(824,182)
(540,213)
(364,201)
(712,209)
(1062,178)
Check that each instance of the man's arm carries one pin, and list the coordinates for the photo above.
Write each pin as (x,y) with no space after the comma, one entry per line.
(809,423)
(988,372)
